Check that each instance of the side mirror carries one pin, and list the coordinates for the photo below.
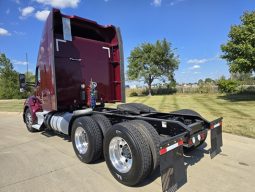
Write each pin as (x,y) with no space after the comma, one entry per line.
(22,82)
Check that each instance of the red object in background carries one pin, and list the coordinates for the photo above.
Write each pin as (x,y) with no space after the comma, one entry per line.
(88,97)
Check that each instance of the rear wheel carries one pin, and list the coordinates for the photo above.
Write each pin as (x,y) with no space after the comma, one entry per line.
(103,122)
(152,138)
(86,139)
(29,121)
(127,154)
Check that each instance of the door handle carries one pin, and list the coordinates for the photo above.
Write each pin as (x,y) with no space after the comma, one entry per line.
(74,59)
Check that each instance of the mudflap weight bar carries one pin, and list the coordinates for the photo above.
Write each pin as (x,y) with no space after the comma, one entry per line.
(172,169)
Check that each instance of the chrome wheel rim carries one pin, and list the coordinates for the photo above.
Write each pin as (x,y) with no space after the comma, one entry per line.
(29,119)
(81,140)
(120,154)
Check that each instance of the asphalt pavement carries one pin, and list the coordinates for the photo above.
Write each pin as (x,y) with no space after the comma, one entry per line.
(46,162)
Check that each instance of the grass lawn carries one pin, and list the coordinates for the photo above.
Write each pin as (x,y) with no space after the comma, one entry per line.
(12,105)
(238,111)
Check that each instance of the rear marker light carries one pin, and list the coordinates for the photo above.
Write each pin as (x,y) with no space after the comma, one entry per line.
(180,142)
(199,137)
(193,139)
(202,136)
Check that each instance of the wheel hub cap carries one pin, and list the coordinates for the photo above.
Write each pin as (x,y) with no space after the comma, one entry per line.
(81,140)
(29,119)
(120,154)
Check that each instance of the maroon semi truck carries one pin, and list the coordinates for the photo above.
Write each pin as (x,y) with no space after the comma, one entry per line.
(80,67)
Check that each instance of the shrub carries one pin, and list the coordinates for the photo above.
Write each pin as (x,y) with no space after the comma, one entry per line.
(227,86)
(133,94)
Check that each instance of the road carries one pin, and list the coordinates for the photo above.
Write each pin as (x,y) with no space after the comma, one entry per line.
(46,162)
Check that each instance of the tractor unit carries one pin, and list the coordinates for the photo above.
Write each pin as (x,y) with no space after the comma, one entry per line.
(80,67)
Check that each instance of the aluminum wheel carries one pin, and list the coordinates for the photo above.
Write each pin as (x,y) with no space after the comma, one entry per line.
(29,119)
(120,154)
(81,140)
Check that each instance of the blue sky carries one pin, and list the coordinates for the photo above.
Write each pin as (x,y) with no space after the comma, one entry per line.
(196,28)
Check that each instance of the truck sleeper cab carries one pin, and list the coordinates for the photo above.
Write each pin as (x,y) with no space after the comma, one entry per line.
(79,68)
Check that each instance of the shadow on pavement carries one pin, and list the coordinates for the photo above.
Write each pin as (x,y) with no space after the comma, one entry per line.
(190,159)
(52,133)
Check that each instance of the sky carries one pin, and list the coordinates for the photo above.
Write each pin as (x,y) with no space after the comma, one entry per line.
(195,28)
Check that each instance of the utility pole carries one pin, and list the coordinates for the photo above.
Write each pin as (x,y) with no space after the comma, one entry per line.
(27,64)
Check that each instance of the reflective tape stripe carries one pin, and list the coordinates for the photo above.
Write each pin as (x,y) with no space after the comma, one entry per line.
(171,147)
(216,125)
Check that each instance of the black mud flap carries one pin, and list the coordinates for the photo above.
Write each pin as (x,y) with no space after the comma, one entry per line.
(216,137)
(172,169)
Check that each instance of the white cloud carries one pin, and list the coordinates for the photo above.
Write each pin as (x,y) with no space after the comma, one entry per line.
(197,61)
(204,60)
(7,11)
(19,33)
(27,11)
(156,3)
(17,62)
(42,15)
(176,2)
(4,32)
(60,3)
(195,67)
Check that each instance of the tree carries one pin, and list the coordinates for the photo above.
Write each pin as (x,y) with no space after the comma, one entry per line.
(152,61)
(200,81)
(209,80)
(227,85)
(239,51)
(9,86)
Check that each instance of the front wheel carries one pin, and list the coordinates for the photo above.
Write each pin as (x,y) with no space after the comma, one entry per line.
(29,121)
(127,154)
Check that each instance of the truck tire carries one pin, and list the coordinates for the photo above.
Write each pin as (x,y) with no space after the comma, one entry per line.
(103,122)
(87,139)
(153,139)
(29,121)
(127,154)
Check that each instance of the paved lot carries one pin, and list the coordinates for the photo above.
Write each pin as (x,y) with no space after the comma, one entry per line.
(39,162)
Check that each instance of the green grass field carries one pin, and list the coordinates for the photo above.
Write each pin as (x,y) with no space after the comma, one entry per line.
(12,105)
(238,111)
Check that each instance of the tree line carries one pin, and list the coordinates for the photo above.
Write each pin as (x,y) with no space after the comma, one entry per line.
(9,80)
(148,61)
(158,61)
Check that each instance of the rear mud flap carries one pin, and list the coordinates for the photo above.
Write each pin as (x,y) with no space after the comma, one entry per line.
(172,169)
(216,139)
